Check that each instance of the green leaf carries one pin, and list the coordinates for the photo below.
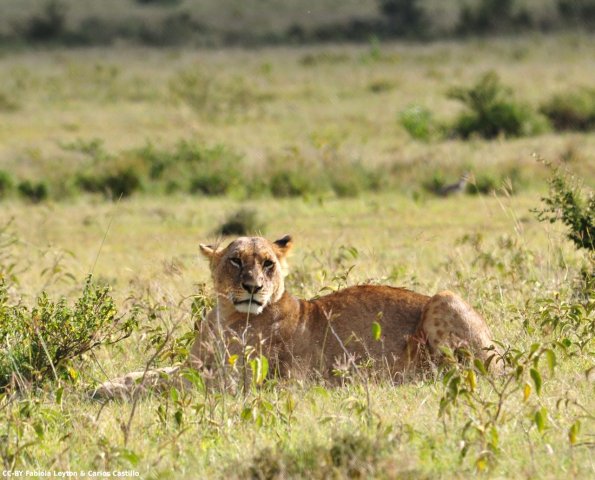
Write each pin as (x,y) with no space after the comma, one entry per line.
(247,413)
(376,331)
(573,432)
(536,376)
(59,395)
(129,455)
(471,380)
(551,359)
(179,417)
(174,394)
(480,366)
(260,369)
(540,419)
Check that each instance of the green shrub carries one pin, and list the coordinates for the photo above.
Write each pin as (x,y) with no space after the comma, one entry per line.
(571,110)
(6,184)
(435,183)
(38,343)
(212,183)
(483,184)
(241,222)
(121,183)
(49,24)
(404,17)
(353,179)
(491,16)
(159,2)
(571,206)
(33,191)
(491,112)
(418,122)
(295,183)
(193,167)
(577,11)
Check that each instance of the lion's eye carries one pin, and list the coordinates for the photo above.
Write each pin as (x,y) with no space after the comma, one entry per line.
(236,262)
(268,264)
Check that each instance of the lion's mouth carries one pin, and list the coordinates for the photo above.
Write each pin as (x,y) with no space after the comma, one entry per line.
(249,301)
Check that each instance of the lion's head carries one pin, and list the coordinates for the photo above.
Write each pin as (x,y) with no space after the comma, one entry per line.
(250,271)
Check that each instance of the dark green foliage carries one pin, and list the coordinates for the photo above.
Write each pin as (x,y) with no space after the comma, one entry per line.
(6,183)
(492,112)
(193,167)
(33,191)
(577,12)
(572,110)
(295,182)
(241,222)
(575,209)
(211,183)
(49,24)
(121,183)
(491,16)
(37,343)
(158,2)
(404,17)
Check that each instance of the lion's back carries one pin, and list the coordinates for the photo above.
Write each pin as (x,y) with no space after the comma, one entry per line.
(352,312)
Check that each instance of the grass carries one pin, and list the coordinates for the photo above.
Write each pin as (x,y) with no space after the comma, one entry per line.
(86,110)
(321,111)
(497,255)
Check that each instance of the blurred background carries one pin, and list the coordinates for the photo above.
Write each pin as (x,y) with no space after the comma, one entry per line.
(269,22)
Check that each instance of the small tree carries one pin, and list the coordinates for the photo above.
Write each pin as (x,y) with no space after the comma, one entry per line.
(567,203)
(405,17)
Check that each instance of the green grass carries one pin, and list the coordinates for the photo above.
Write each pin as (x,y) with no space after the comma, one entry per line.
(85,111)
(491,250)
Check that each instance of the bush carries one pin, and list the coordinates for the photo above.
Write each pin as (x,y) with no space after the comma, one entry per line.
(492,15)
(418,122)
(122,183)
(404,17)
(39,342)
(572,110)
(6,184)
(575,209)
(577,11)
(353,179)
(483,184)
(49,24)
(242,222)
(34,191)
(295,183)
(193,167)
(491,113)
(212,183)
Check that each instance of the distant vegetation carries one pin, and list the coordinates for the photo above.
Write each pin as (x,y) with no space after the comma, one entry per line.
(178,22)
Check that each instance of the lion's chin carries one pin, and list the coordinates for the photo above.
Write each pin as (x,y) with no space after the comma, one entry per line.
(252,308)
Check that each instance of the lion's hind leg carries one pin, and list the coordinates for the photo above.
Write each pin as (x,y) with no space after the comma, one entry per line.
(448,321)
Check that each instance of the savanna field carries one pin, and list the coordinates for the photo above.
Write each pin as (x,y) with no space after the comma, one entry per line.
(116,162)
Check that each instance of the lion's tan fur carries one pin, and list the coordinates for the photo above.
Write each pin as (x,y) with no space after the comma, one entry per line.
(314,335)
(255,311)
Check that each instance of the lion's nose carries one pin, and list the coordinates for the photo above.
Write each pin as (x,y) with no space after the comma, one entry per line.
(251,288)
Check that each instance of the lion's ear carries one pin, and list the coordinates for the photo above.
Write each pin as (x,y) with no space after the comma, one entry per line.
(208,251)
(283,246)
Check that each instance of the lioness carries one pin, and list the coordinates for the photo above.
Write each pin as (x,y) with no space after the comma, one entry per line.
(256,313)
